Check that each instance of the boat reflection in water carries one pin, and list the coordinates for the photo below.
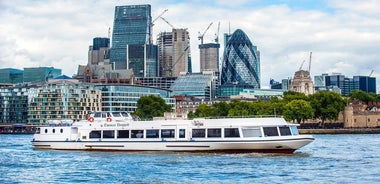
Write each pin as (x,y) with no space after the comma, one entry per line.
(117,131)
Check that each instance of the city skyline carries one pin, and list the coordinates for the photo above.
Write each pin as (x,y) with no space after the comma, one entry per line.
(343,35)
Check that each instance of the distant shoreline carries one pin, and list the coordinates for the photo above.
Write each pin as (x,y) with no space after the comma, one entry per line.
(341,131)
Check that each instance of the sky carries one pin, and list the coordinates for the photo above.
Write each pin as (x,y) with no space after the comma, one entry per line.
(343,35)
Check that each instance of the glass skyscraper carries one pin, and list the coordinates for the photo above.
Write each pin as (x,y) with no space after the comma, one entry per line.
(241,62)
(131,27)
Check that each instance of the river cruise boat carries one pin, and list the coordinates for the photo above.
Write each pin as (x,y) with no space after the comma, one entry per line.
(117,131)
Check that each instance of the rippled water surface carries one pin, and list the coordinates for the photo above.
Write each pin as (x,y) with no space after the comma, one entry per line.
(329,159)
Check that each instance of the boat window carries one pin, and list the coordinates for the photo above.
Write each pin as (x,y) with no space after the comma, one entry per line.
(61,130)
(270,131)
(46,131)
(167,133)
(284,131)
(231,132)
(137,133)
(104,115)
(198,133)
(294,130)
(116,114)
(123,134)
(95,134)
(125,114)
(97,115)
(74,130)
(252,132)
(108,134)
(38,131)
(182,133)
(152,133)
(53,130)
(214,132)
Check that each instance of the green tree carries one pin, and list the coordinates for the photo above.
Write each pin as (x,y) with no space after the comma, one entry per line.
(220,109)
(327,105)
(362,96)
(203,111)
(151,106)
(292,95)
(191,115)
(299,110)
(240,108)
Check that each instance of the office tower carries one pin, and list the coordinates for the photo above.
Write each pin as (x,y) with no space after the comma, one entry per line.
(241,62)
(40,74)
(142,59)
(209,57)
(365,83)
(131,27)
(99,51)
(174,52)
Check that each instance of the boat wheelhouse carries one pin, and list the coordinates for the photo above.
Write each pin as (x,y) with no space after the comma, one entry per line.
(116,131)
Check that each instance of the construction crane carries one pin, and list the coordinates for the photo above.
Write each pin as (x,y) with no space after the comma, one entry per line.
(200,37)
(217,34)
(152,24)
(310,61)
(370,74)
(170,69)
(301,65)
(167,22)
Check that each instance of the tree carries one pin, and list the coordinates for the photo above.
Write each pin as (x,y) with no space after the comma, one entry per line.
(151,106)
(362,96)
(327,105)
(221,109)
(298,110)
(203,111)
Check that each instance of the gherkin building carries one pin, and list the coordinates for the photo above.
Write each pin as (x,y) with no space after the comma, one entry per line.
(241,62)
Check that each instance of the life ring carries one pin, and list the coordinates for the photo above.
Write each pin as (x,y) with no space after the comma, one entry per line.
(109,119)
(90,119)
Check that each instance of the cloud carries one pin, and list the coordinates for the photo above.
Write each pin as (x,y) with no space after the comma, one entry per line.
(343,35)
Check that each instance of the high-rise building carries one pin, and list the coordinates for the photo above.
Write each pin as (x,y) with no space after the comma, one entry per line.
(344,85)
(174,52)
(365,83)
(209,57)
(241,62)
(131,27)
(99,51)
(142,59)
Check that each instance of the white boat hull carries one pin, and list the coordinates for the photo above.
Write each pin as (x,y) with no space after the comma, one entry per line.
(284,145)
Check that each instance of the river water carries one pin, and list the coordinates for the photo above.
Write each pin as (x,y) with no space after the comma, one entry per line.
(351,158)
